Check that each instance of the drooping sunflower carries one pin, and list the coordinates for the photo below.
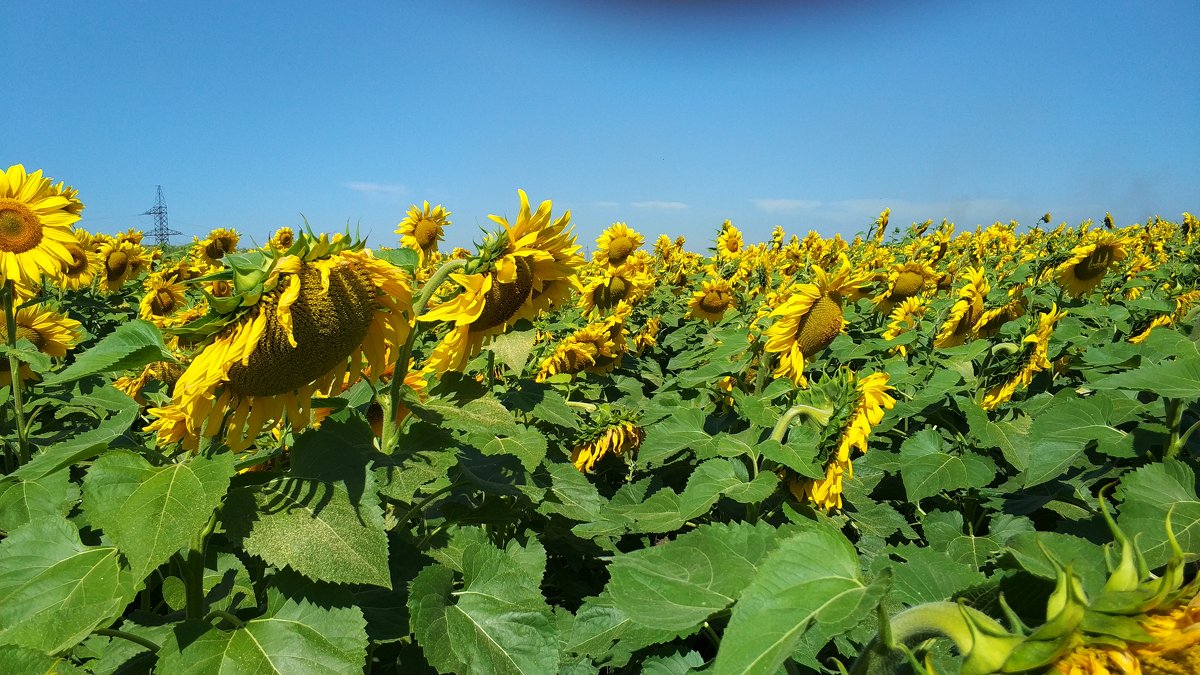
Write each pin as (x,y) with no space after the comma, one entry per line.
(729,241)
(595,348)
(871,400)
(616,243)
(122,261)
(295,326)
(51,332)
(210,250)
(35,225)
(160,371)
(1034,358)
(992,320)
(966,312)
(82,267)
(905,281)
(648,336)
(904,318)
(711,300)
(618,438)
(422,228)
(810,318)
(520,272)
(1090,261)
(614,284)
(283,239)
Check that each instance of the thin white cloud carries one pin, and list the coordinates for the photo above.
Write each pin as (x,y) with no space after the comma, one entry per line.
(606,204)
(786,205)
(376,189)
(660,205)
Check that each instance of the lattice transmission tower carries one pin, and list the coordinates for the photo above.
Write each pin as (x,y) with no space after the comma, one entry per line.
(162,232)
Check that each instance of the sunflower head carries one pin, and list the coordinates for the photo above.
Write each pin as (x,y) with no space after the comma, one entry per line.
(729,241)
(35,225)
(711,300)
(121,261)
(422,228)
(1088,263)
(283,239)
(51,333)
(612,285)
(616,244)
(615,433)
(84,265)
(220,242)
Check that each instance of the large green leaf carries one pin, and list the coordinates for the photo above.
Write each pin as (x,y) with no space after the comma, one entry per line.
(1178,378)
(151,512)
(1062,431)
(681,431)
(923,574)
(54,590)
(680,584)
(297,634)
(1148,495)
(313,527)
(927,468)
(27,500)
(810,582)
(527,445)
(85,445)
(497,622)
(132,345)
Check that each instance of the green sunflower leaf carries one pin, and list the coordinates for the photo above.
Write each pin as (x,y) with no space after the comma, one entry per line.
(1151,493)
(129,347)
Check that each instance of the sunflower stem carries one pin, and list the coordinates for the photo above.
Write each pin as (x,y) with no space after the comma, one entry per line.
(136,639)
(14,369)
(820,415)
(1174,413)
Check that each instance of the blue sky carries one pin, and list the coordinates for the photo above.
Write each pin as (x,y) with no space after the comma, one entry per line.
(671,116)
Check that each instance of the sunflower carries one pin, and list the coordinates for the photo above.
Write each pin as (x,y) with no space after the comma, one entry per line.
(132,235)
(595,348)
(52,333)
(871,400)
(905,281)
(296,326)
(422,228)
(810,318)
(966,312)
(83,266)
(992,320)
(283,239)
(1173,648)
(712,300)
(729,242)
(1085,269)
(1034,359)
(904,318)
(35,225)
(648,336)
(209,251)
(163,298)
(612,285)
(161,371)
(618,438)
(616,243)
(521,271)
(121,262)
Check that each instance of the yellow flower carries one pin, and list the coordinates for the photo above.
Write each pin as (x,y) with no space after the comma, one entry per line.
(1034,360)
(132,235)
(612,285)
(1174,648)
(729,242)
(966,312)
(616,244)
(905,281)
(317,318)
(872,400)
(83,266)
(283,239)
(1085,269)
(122,261)
(52,333)
(992,320)
(35,225)
(422,228)
(648,337)
(616,439)
(904,318)
(595,348)
(810,318)
(712,300)
(213,248)
(163,298)
(533,266)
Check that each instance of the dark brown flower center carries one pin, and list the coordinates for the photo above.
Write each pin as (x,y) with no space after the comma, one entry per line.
(78,263)
(503,301)
(907,284)
(715,302)
(328,327)
(116,265)
(820,325)
(619,249)
(20,228)
(426,233)
(163,303)
(1095,264)
(607,296)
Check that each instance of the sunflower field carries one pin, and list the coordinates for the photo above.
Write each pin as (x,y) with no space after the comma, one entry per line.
(918,451)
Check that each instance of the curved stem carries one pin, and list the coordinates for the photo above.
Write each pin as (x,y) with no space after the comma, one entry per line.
(222,614)
(934,619)
(1181,440)
(400,370)
(14,369)
(136,639)
(785,420)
